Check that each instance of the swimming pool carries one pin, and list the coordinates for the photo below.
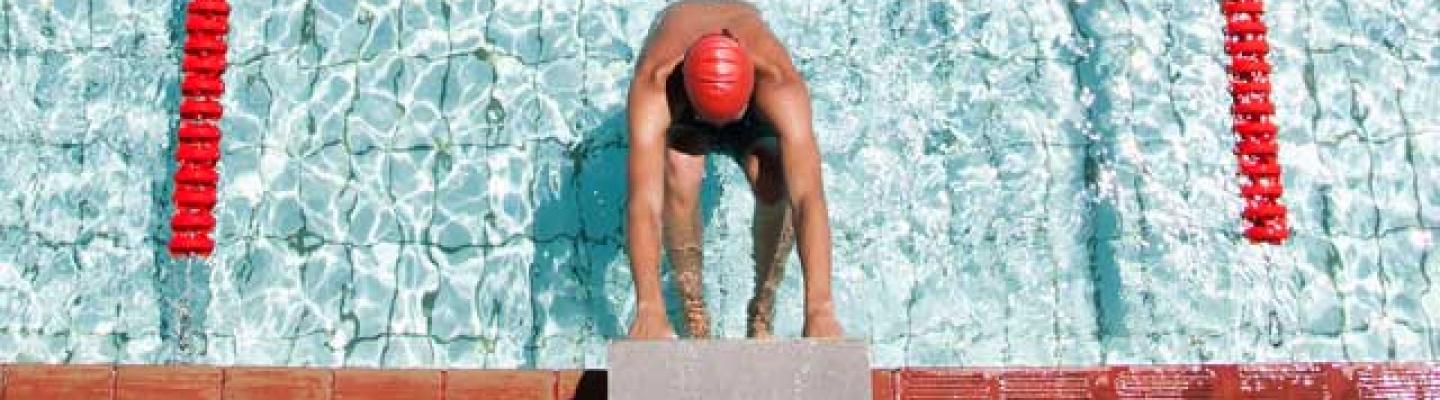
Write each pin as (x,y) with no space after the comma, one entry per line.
(438,183)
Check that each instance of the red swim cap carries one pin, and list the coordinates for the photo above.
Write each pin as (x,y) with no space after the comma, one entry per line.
(719,77)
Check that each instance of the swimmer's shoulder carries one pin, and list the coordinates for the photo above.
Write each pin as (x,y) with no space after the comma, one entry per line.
(681,22)
(710,4)
(742,18)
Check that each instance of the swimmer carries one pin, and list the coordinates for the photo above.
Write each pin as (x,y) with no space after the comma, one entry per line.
(712,78)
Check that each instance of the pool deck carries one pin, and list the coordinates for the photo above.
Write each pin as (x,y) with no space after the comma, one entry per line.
(1211,381)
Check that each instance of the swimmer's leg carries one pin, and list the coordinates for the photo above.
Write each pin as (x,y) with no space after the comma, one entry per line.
(682,230)
(774,237)
(772,232)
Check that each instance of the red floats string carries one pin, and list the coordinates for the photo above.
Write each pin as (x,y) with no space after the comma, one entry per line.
(198,143)
(1254,116)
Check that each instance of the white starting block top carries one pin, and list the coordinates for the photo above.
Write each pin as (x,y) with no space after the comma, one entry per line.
(739,369)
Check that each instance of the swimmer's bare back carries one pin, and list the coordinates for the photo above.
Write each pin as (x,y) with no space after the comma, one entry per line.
(781,97)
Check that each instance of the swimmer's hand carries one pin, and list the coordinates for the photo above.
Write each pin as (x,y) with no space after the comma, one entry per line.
(820,322)
(650,324)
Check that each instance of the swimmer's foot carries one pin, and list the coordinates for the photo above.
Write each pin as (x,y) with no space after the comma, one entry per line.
(650,323)
(822,324)
(759,329)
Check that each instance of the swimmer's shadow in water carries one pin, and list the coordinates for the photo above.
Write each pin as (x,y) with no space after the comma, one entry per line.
(579,233)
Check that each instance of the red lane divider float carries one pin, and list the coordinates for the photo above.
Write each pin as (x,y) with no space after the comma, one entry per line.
(198,143)
(1254,115)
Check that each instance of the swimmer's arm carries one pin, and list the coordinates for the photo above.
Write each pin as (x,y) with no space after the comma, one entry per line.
(785,101)
(649,117)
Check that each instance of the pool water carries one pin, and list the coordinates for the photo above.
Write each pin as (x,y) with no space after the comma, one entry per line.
(440,184)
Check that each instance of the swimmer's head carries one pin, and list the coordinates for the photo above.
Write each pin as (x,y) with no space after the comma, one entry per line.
(719,78)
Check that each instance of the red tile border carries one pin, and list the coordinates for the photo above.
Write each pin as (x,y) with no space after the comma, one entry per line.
(162,382)
(278,383)
(882,385)
(1396,380)
(580,385)
(59,382)
(1167,381)
(947,383)
(1339,381)
(1303,381)
(1053,383)
(377,384)
(1299,380)
(500,384)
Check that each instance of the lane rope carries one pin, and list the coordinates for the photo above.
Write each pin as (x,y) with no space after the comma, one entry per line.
(1253,113)
(197,149)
